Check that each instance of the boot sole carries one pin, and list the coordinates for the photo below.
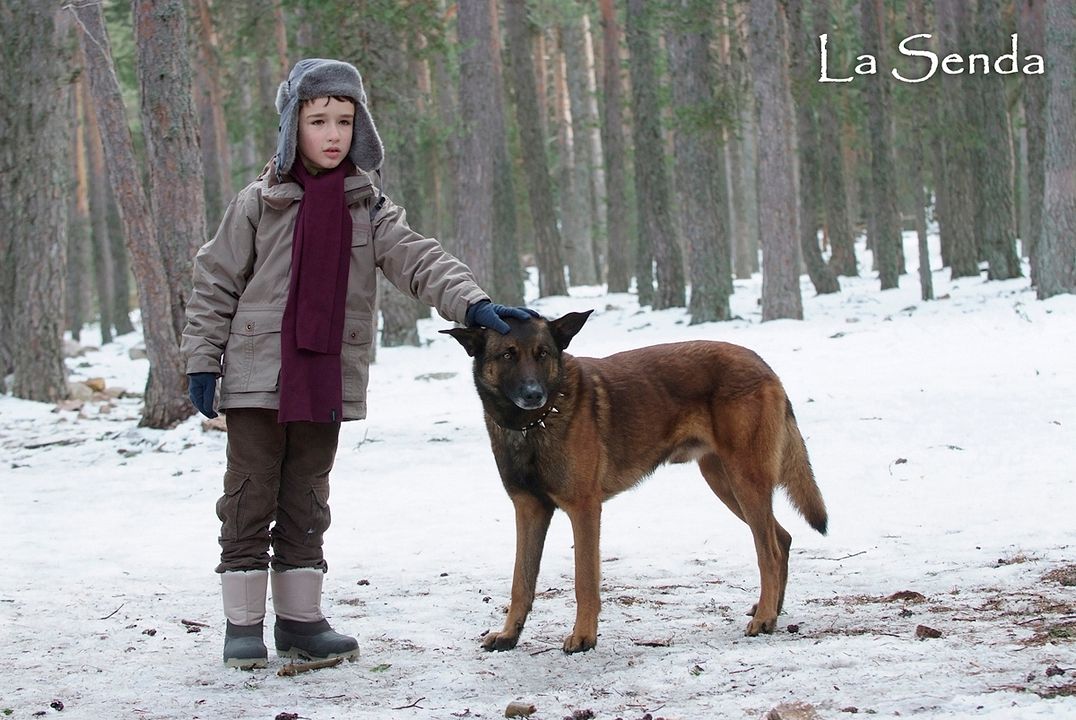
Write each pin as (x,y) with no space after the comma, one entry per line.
(296,654)
(247,663)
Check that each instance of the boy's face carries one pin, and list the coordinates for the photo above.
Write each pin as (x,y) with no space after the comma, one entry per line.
(325,127)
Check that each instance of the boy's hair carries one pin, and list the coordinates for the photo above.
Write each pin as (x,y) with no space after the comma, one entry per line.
(315,78)
(326,98)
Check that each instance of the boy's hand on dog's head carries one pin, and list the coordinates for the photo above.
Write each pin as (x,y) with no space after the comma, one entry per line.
(489,315)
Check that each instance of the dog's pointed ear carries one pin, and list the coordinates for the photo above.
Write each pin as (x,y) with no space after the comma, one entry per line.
(565,328)
(473,340)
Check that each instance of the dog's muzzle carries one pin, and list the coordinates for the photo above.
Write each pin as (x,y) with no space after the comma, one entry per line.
(530,396)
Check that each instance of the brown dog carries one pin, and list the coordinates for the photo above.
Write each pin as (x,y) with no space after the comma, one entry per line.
(571,432)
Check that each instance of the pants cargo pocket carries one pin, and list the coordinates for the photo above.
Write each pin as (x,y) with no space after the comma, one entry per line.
(247,507)
(320,516)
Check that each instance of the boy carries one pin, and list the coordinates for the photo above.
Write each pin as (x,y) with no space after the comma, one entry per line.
(284,293)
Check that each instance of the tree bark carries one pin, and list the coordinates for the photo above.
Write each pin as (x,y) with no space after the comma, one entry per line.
(958,231)
(508,271)
(103,265)
(776,175)
(34,155)
(742,157)
(618,274)
(591,130)
(831,171)
(535,164)
(1057,254)
(576,198)
(884,190)
(78,297)
(1032,37)
(920,195)
(994,176)
(474,210)
(700,163)
(165,402)
(657,243)
(810,155)
(216,151)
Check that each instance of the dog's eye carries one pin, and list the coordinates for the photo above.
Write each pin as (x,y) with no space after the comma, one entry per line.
(507,355)
(542,354)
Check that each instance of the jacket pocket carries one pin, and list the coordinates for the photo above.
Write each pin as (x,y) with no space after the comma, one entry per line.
(252,356)
(360,233)
(355,355)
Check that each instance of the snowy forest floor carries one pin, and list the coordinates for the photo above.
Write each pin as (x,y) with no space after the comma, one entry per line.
(942,435)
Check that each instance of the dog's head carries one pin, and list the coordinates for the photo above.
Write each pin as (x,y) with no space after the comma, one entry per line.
(523,366)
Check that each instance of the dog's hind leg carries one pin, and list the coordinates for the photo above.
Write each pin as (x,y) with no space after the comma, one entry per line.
(533,515)
(747,492)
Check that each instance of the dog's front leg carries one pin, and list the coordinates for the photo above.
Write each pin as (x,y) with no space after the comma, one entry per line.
(532,524)
(586,527)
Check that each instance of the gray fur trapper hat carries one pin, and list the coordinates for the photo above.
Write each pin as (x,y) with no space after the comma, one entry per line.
(313,78)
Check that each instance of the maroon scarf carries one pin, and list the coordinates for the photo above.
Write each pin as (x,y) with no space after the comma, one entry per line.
(313,325)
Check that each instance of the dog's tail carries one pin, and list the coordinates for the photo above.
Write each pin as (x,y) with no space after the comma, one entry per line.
(798,477)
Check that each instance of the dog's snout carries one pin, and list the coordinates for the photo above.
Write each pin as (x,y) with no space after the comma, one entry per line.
(531,395)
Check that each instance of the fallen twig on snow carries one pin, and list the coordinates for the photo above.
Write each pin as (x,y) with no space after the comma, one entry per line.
(293,669)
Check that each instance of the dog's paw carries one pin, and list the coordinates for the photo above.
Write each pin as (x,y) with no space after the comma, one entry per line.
(499,641)
(579,642)
(761,625)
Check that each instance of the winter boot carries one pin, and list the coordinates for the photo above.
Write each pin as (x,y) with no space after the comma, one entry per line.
(301,630)
(244,608)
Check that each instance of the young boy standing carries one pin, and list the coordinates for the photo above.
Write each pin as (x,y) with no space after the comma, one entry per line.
(282,313)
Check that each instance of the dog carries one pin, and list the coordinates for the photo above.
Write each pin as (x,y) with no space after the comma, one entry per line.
(571,432)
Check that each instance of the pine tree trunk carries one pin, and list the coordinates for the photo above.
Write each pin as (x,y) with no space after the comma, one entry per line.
(166,398)
(508,274)
(177,195)
(700,164)
(591,129)
(810,161)
(776,175)
(831,169)
(994,173)
(34,167)
(618,275)
(886,240)
(474,211)
(216,151)
(77,295)
(657,234)
(103,267)
(535,164)
(121,264)
(917,151)
(1057,254)
(577,207)
(743,158)
(959,218)
(1032,40)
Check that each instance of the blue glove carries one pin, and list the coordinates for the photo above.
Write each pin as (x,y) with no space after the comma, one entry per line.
(488,314)
(202,387)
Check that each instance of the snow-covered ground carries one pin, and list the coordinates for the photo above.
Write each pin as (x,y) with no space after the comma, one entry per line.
(943,436)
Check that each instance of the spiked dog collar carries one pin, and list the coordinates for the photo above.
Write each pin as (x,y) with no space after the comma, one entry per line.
(540,422)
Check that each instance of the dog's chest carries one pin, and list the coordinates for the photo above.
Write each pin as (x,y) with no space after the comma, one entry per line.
(529,462)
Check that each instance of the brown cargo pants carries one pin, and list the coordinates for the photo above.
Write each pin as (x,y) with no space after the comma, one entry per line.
(276,492)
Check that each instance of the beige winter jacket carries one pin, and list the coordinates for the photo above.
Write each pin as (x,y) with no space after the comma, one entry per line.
(241,286)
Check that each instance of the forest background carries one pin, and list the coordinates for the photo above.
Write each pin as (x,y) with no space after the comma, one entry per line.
(661,147)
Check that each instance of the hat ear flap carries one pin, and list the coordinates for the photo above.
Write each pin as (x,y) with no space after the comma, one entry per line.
(287,135)
(366,152)
(282,96)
